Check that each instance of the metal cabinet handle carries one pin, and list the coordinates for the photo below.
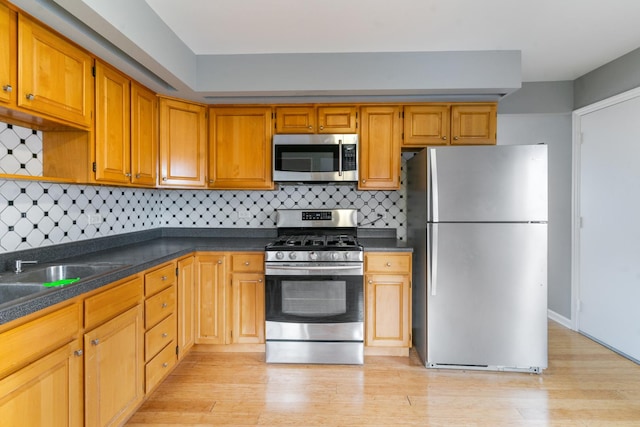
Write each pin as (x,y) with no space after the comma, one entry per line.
(211,181)
(388,264)
(456,138)
(165,364)
(246,263)
(321,127)
(95,342)
(364,180)
(163,278)
(78,353)
(137,176)
(30,96)
(164,335)
(310,127)
(444,137)
(370,281)
(219,261)
(7,88)
(259,280)
(165,305)
(164,178)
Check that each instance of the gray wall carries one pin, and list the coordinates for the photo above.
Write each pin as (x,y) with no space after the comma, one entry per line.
(541,113)
(613,78)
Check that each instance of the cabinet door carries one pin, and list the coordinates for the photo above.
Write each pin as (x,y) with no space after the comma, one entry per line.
(247,308)
(387,310)
(337,119)
(8,55)
(114,368)
(473,124)
(381,135)
(55,76)
(295,120)
(210,299)
(426,125)
(186,305)
(144,136)
(183,139)
(47,392)
(113,134)
(240,148)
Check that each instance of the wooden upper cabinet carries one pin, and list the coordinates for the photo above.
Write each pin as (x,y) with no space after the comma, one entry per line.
(113,134)
(340,119)
(240,148)
(8,54)
(295,120)
(380,140)
(321,119)
(426,125)
(144,136)
(55,76)
(183,144)
(473,124)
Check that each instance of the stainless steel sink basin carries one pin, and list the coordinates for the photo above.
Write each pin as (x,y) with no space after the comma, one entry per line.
(18,285)
(53,273)
(10,292)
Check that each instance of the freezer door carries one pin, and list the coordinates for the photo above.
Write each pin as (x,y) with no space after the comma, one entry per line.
(487,184)
(487,295)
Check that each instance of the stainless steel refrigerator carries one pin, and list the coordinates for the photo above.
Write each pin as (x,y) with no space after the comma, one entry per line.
(477,221)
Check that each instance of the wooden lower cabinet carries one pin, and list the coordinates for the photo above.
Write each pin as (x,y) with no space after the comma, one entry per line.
(230,298)
(114,353)
(186,310)
(46,392)
(388,301)
(114,368)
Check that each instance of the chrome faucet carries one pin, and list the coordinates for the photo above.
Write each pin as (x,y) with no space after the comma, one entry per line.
(19,263)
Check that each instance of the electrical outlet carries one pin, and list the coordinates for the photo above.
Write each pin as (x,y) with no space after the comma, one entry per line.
(94,218)
(244,214)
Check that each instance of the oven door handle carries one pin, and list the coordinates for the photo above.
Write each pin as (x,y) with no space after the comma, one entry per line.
(316,268)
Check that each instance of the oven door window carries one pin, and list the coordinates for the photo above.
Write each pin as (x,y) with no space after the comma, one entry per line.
(306,158)
(314,300)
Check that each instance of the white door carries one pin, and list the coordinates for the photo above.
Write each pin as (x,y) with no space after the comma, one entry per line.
(609,238)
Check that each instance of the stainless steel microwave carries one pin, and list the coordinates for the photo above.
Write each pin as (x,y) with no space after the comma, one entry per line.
(315,158)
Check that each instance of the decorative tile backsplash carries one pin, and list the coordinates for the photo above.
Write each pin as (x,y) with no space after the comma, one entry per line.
(34,214)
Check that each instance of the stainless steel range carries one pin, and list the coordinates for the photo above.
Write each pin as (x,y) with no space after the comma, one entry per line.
(314,289)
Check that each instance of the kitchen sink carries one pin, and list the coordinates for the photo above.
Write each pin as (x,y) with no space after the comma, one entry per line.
(53,273)
(18,285)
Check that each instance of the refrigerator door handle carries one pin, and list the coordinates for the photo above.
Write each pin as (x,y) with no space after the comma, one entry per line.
(433,270)
(434,184)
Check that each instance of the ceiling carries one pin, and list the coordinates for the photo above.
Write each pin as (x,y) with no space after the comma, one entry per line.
(203,49)
(559,40)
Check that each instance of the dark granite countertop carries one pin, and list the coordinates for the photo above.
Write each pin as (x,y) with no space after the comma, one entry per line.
(138,252)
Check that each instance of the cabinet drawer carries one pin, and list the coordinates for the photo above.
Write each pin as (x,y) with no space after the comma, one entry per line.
(160,366)
(159,306)
(159,336)
(25,343)
(105,305)
(159,279)
(387,263)
(247,262)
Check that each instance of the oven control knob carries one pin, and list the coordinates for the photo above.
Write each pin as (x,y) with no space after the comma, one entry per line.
(279,255)
(334,256)
(292,255)
(313,256)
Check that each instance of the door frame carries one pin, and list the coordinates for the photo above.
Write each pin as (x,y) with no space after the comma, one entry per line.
(575,203)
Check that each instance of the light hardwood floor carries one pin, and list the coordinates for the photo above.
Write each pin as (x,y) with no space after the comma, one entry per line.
(585,385)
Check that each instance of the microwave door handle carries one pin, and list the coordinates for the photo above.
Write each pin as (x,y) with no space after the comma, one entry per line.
(339,157)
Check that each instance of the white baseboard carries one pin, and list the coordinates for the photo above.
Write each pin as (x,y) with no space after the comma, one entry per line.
(567,323)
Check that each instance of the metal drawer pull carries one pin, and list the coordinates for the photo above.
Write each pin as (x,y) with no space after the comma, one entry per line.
(95,342)
(31,96)
(246,263)
(78,353)
(163,278)
(7,88)
(165,305)
(165,364)
(164,335)
(388,264)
